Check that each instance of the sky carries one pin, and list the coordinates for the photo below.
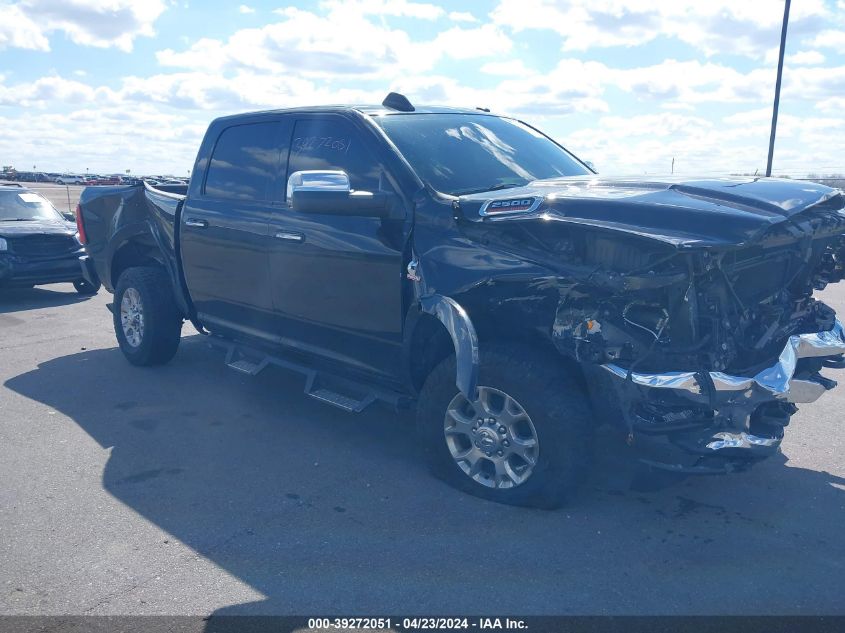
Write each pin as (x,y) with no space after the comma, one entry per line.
(116,85)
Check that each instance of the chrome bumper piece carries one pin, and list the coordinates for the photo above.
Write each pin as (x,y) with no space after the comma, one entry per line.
(778,381)
(735,398)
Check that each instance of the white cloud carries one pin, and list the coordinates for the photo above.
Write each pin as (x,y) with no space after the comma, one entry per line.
(717,26)
(462,16)
(236,71)
(245,9)
(51,90)
(635,118)
(19,31)
(246,90)
(341,43)
(830,38)
(692,82)
(205,54)
(100,23)
(699,146)
(478,42)
(508,68)
(805,58)
(396,8)
(170,141)
(833,105)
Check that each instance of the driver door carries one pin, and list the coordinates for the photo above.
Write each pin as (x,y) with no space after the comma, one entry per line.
(337,279)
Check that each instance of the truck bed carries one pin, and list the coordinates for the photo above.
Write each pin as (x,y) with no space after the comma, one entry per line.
(139,222)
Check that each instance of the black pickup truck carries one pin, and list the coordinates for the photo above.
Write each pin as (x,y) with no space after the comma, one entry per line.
(468,265)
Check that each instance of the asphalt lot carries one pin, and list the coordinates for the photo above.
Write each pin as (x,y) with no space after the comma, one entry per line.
(190,489)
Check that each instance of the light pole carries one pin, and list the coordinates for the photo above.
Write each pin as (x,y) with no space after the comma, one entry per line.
(777,87)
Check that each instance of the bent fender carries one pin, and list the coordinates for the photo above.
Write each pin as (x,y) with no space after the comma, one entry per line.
(460,328)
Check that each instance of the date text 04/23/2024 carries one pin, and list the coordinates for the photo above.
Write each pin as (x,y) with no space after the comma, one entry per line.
(411,624)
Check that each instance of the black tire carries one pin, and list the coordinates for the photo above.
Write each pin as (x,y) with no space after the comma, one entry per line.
(159,337)
(84,288)
(552,395)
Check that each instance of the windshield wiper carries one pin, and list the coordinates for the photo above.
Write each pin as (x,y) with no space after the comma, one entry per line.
(495,187)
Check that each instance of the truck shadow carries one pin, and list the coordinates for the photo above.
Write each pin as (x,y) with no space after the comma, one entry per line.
(325,512)
(20,299)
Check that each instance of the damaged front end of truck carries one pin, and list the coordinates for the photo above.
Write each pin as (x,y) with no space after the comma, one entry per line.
(688,305)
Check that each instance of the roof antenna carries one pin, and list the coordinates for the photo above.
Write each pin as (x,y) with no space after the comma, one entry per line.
(396,101)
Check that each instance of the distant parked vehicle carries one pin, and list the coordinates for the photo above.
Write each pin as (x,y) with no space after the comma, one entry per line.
(33,176)
(105,180)
(38,245)
(130,181)
(70,179)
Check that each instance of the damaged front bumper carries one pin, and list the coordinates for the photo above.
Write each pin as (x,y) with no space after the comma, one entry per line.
(725,421)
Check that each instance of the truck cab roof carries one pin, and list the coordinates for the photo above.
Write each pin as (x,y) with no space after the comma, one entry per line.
(368,110)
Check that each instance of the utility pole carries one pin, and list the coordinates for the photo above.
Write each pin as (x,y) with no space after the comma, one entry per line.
(777,87)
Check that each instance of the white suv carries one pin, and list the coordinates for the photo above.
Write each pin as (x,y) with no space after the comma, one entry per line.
(70,179)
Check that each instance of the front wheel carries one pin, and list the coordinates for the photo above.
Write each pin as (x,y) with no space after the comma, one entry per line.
(527,438)
(147,322)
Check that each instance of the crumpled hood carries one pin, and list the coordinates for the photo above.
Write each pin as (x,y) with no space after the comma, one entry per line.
(684,213)
(36,227)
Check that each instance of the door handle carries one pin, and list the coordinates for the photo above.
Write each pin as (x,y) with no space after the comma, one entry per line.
(200,224)
(290,237)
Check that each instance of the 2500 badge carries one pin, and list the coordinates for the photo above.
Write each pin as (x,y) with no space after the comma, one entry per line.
(513,205)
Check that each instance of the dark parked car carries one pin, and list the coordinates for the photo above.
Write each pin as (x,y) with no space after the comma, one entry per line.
(38,245)
(468,264)
(104,180)
(31,176)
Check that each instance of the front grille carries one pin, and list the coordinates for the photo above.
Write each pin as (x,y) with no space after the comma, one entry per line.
(42,245)
(616,255)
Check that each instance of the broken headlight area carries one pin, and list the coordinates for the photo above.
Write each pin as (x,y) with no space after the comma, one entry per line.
(711,310)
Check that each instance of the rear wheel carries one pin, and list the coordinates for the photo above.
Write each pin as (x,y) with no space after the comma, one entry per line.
(526,440)
(147,322)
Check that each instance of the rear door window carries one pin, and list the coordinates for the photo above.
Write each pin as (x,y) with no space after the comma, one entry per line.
(245,162)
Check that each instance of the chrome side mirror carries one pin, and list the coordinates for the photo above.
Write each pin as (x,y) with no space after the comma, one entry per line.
(329,192)
(590,164)
(317,180)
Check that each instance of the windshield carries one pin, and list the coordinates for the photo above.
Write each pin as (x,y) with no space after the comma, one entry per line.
(26,205)
(465,153)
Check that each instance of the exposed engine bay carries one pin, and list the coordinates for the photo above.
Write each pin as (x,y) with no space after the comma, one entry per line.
(708,337)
